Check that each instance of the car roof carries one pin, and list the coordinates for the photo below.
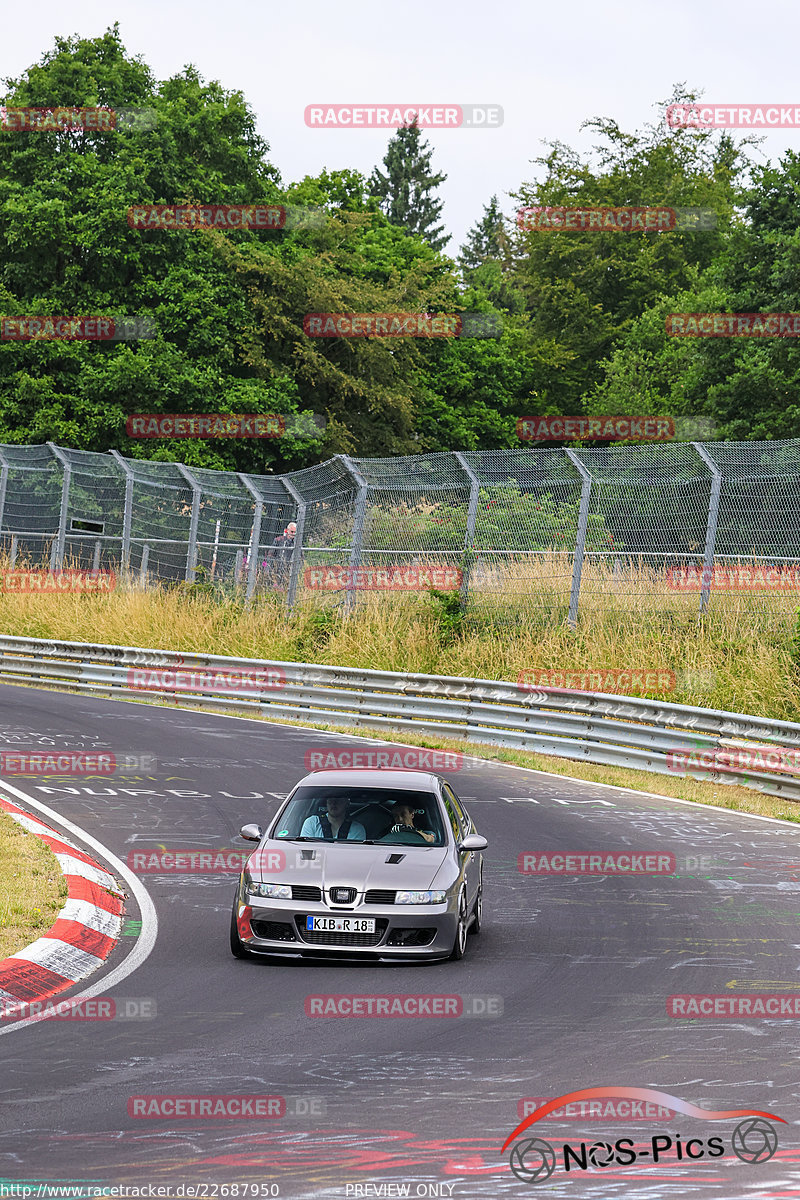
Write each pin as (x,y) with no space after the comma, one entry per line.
(396,779)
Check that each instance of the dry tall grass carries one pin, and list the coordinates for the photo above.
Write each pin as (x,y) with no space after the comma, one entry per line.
(516,621)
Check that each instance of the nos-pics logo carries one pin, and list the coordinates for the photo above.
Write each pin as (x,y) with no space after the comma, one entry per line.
(533,1160)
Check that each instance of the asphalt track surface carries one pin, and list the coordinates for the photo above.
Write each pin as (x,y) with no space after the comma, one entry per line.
(582,966)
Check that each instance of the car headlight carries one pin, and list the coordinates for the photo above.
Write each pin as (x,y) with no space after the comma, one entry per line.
(273,891)
(420,897)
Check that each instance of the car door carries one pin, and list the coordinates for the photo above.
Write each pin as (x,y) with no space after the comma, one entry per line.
(462,825)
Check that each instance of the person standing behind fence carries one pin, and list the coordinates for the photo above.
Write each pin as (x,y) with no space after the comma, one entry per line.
(279,556)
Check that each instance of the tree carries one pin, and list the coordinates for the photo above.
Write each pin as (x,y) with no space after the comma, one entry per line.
(584,289)
(487,239)
(406,190)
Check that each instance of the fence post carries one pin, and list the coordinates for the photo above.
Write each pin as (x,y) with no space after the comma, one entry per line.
(255,536)
(57,557)
(127,516)
(191,551)
(297,552)
(358,523)
(143,567)
(580,537)
(14,544)
(711,526)
(472,513)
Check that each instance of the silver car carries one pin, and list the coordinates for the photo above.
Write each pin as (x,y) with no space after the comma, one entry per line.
(375,865)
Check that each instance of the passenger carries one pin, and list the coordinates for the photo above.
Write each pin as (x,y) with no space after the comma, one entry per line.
(334,824)
(404,815)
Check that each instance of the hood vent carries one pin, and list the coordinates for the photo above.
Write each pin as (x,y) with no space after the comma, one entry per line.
(395,858)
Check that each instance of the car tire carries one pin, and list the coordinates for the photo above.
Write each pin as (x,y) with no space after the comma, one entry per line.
(237,949)
(462,924)
(477,911)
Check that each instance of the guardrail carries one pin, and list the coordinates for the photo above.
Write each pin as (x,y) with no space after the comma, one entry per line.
(623,731)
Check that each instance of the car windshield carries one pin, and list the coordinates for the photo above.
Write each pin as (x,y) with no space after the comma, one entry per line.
(388,816)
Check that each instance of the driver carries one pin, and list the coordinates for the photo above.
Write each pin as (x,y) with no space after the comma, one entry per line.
(403,813)
(334,824)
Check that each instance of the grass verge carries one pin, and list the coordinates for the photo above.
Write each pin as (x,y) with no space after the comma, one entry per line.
(32,888)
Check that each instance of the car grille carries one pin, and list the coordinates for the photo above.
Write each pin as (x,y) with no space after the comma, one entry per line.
(320,938)
(379,896)
(342,895)
(276,931)
(304,891)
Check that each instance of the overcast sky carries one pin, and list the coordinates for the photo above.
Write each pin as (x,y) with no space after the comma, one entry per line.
(550,66)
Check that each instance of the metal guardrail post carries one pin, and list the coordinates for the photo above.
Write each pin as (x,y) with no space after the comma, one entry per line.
(472,513)
(358,523)
(3,489)
(191,551)
(255,536)
(127,516)
(57,557)
(580,537)
(297,552)
(711,526)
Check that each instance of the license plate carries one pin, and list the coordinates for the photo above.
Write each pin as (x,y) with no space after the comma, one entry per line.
(340,924)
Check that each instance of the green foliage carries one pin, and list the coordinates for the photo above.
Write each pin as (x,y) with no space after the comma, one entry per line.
(406,190)
(582,314)
(507,518)
(449,612)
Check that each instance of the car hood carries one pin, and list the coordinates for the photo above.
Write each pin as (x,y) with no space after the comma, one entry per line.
(411,868)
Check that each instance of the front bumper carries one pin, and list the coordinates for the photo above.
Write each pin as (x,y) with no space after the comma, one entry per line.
(402,931)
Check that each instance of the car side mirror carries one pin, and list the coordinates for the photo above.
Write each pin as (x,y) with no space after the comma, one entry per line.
(473,841)
(251,833)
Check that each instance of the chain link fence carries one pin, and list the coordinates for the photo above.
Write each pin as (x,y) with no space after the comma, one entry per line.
(547,528)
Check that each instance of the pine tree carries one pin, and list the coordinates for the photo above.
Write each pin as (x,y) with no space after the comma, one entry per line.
(405,191)
(487,239)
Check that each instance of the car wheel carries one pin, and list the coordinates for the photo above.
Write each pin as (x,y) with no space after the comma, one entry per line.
(237,949)
(477,911)
(460,943)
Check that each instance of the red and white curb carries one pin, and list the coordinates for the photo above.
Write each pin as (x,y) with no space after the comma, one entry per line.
(85,931)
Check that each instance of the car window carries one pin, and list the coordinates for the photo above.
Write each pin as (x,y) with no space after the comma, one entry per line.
(461,812)
(452,818)
(371,811)
(451,803)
